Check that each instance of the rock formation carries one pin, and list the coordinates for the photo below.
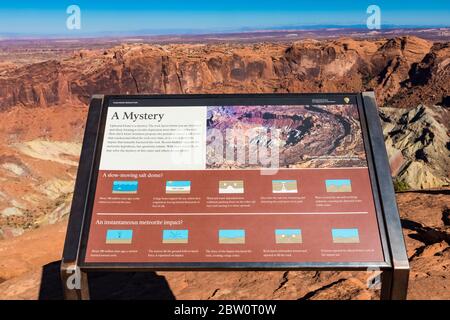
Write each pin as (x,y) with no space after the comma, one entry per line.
(404,71)
(420,136)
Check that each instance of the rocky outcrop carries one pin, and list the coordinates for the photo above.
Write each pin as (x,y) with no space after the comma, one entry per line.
(39,84)
(417,141)
(428,79)
(29,268)
(39,150)
(393,61)
(404,71)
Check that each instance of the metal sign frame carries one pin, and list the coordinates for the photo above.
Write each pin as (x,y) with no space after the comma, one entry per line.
(395,268)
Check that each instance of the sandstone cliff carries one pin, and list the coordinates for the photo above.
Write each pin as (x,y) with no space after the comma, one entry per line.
(404,71)
(417,140)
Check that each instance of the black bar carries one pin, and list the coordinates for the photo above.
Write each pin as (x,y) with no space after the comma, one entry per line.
(229,99)
(386,285)
(77,210)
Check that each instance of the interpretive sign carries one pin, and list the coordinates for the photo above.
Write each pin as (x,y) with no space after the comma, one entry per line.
(251,182)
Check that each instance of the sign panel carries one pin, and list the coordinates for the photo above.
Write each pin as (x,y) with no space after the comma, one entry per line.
(244,183)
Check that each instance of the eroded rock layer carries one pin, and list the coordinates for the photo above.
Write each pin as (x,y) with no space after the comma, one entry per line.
(404,71)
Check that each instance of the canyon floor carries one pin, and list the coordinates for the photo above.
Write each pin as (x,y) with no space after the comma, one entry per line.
(29,267)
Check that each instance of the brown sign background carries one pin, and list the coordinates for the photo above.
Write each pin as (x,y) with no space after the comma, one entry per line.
(138,212)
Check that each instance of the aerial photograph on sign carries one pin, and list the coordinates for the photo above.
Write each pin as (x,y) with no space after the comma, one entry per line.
(313,136)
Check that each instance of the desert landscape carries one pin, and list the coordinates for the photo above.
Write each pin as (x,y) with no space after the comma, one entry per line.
(45,91)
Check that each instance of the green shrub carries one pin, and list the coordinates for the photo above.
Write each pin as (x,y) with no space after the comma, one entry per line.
(401,185)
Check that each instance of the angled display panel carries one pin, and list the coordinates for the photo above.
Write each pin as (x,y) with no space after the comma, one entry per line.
(228,181)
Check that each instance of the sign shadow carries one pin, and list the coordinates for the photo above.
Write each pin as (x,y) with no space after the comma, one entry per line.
(108,285)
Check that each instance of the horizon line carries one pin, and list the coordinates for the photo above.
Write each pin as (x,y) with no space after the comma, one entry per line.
(204,32)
